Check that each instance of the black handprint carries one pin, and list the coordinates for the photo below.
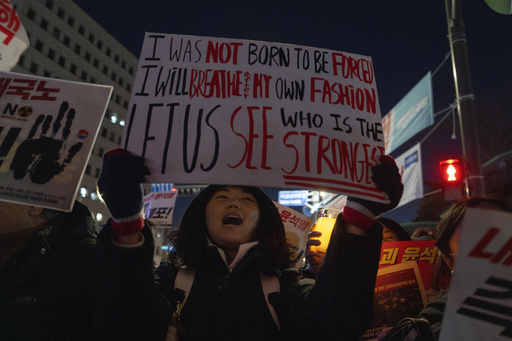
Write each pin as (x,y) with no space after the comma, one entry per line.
(40,157)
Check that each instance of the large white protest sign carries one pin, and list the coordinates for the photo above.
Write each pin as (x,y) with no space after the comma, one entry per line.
(47,131)
(479,305)
(211,110)
(13,36)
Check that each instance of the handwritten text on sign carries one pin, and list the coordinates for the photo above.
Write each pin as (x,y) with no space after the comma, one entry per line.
(263,113)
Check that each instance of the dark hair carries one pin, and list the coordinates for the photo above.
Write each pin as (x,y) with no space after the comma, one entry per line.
(189,242)
(452,218)
(395,227)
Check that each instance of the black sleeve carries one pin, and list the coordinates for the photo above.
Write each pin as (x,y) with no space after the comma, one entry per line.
(340,304)
(126,297)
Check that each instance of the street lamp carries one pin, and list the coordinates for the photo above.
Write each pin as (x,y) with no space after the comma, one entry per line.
(465,98)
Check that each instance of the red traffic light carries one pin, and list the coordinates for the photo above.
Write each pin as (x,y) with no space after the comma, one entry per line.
(452,177)
(452,171)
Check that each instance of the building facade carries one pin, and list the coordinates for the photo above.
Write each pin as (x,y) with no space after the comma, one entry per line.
(66,43)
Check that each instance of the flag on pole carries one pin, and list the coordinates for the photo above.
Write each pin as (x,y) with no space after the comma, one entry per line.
(13,36)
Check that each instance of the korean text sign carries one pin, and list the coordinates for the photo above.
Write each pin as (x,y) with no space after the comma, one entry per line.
(480,298)
(261,113)
(47,131)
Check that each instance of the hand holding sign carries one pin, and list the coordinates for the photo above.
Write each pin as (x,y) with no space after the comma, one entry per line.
(40,157)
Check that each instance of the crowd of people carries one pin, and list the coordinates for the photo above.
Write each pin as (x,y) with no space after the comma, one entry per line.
(63,279)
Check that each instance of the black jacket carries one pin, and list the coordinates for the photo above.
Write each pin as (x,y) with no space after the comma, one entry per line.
(231,306)
(46,288)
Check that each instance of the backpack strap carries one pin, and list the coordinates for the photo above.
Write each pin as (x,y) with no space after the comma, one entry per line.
(184,280)
(270,284)
(182,285)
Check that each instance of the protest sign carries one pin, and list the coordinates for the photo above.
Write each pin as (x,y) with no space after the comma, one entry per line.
(47,130)
(13,36)
(398,293)
(479,305)
(159,207)
(297,227)
(422,252)
(266,114)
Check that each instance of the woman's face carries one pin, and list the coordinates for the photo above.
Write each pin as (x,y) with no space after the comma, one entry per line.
(231,217)
(388,235)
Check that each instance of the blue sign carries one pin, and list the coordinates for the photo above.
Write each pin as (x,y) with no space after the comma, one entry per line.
(411,115)
(293,198)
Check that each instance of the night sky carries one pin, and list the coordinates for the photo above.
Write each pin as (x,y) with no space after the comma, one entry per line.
(405,38)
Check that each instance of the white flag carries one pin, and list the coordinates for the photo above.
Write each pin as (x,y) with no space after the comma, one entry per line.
(13,37)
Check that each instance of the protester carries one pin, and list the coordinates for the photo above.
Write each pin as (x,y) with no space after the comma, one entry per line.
(231,236)
(392,231)
(423,233)
(447,241)
(47,266)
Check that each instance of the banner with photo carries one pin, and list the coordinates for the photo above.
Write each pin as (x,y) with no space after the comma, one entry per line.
(262,113)
(411,115)
(479,303)
(47,131)
(297,227)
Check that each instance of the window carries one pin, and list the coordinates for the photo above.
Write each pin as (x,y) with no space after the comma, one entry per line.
(104,132)
(78,48)
(21,61)
(66,40)
(131,70)
(81,29)
(91,38)
(105,69)
(125,104)
(56,33)
(128,87)
(118,99)
(44,24)
(39,45)
(116,58)
(73,69)
(33,67)
(99,44)
(71,21)
(96,62)
(51,54)
(97,173)
(112,136)
(109,51)
(121,81)
(49,4)
(83,76)
(101,151)
(62,61)
(113,76)
(123,64)
(60,12)
(88,169)
(31,14)
(47,73)
(88,56)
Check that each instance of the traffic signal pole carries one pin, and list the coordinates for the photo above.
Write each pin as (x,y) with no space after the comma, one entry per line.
(465,98)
